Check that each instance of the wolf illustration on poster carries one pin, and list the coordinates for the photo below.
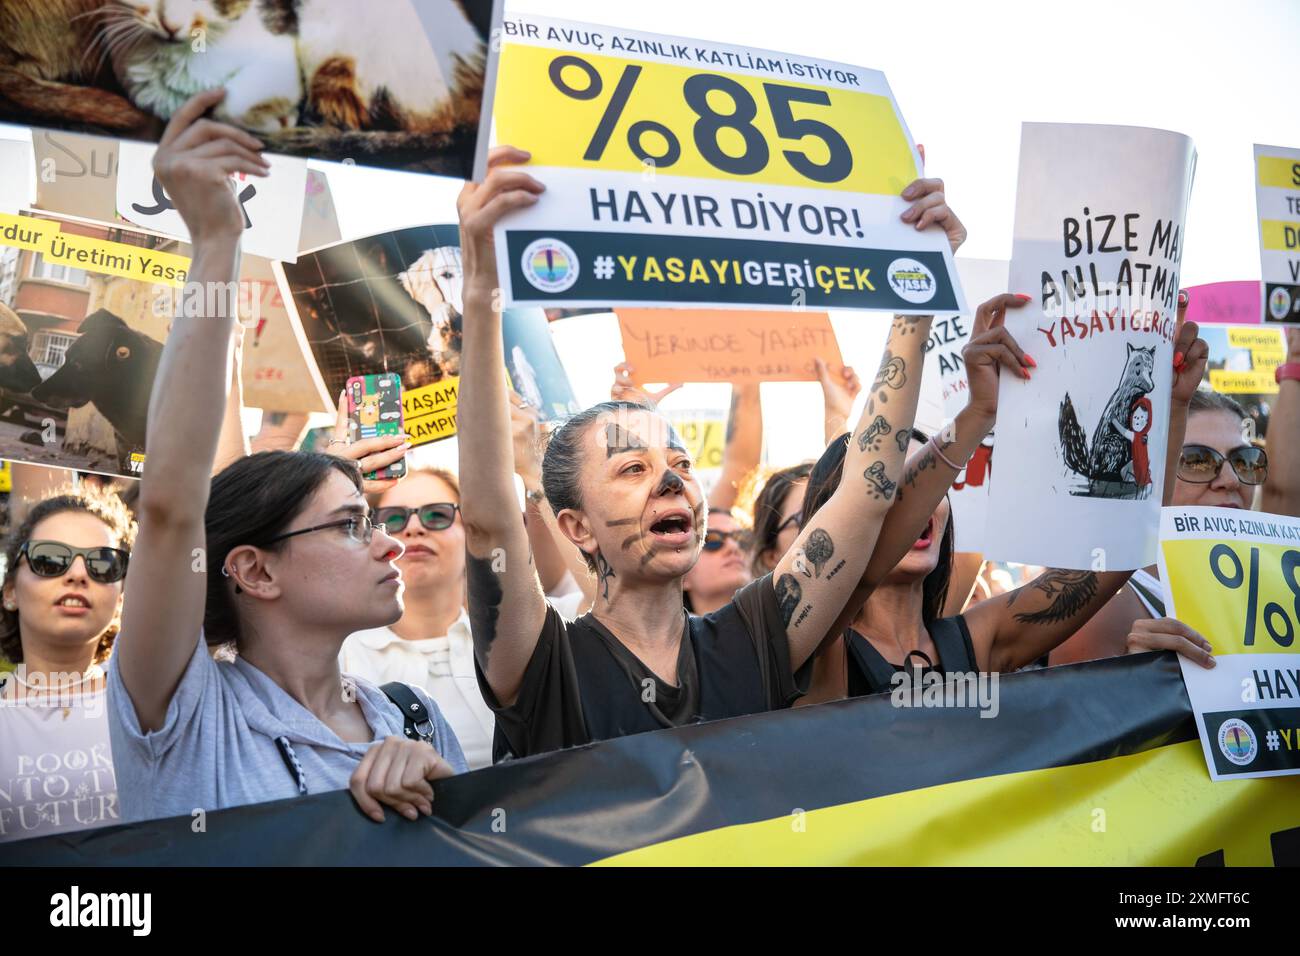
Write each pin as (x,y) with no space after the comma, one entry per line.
(1107,464)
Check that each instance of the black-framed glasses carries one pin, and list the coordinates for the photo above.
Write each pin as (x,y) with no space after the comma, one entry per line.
(715,540)
(435,516)
(795,519)
(51,559)
(359,528)
(1200,464)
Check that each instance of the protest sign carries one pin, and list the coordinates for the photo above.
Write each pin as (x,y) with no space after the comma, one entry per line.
(76,175)
(703,432)
(1277,201)
(405,86)
(1232,576)
(275,369)
(392,303)
(320,220)
(1100,213)
(1224,303)
(982,279)
(83,319)
(692,173)
(691,345)
(1243,358)
(273,206)
(15,175)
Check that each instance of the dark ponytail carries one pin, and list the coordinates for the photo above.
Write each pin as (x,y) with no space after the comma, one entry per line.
(251,501)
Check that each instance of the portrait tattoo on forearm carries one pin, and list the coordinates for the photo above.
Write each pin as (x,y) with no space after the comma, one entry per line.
(1069,592)
(818,550)
(788,595)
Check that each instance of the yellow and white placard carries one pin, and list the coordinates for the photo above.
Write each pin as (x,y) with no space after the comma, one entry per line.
(1277,201)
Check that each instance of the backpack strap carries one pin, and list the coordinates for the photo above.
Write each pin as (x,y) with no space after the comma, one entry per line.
(418,725)
(952,641)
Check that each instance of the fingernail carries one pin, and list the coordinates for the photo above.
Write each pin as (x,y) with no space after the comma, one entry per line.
(1211,661)
(410,814)
(907,215)
(378,816)
(1025,373)
(1178,360)
(1022,297)
(909,192)
(1183,298)
(1029,360)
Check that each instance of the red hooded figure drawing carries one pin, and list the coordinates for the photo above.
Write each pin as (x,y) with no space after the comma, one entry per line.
(1140,420)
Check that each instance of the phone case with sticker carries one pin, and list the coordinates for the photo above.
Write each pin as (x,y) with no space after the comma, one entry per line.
(375,409)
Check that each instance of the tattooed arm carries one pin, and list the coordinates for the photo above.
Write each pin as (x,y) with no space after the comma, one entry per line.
(818,576)
(744,445)
(506,605)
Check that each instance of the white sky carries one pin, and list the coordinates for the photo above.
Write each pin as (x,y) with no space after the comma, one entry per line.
(965,76)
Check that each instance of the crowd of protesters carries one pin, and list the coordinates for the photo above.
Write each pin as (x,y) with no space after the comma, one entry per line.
(245,626)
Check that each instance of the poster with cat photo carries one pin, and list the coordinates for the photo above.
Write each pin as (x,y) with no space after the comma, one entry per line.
(1099,236)
(403,84)
(392,303)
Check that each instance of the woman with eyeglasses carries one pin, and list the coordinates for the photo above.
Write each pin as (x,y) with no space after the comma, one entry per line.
(1218,467)
(624,493)
(896,620)
(430,645)
(778,516)
(62,595)
(275,557)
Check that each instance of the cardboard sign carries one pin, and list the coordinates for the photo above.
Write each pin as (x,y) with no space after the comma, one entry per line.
(273,207)
(1235,577)
(703,433)
(693,173)
(276,369)
(15,175)
(676,345)
(404,85)
(1277,200)
(76,175)
(1100,213)
(1224,303)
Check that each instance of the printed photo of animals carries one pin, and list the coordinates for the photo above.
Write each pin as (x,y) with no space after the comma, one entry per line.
(386,303)
(397,84)
(79,350)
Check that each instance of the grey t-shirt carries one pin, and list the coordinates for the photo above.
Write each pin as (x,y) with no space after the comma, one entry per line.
(217,746)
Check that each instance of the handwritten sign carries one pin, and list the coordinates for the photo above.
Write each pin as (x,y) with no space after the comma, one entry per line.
(1277,201)
(695,345)
(76,174)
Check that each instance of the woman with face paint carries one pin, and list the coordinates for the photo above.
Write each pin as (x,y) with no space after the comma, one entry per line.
(894,622)
(624,492)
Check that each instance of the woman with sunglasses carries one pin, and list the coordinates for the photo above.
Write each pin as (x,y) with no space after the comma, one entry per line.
(624,492)
(430,645)
(275,557)
(723,567)
(62,595)
(1217,467)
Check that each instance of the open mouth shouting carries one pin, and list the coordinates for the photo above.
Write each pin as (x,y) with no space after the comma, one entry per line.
(927,536)
(673,529)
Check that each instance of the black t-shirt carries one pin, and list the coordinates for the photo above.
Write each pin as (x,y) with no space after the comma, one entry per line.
(870,673)
(582,684)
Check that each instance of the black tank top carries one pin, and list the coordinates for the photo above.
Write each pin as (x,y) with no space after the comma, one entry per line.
(870,673)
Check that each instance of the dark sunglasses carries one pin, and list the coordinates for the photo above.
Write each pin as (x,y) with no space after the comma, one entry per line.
(714,540)
(1200,464)
(51,559)
(438,516)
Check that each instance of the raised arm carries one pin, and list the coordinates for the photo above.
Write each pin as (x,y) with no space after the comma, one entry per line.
(506,604)
(818,576)
(163,612)
(1281,495)
(838,393)
(744,444)
(1012,630)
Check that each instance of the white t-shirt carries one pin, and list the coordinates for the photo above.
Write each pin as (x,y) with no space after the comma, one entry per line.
(443,667)
(56,764)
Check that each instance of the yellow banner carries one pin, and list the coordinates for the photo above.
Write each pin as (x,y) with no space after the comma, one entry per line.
(1263,339)
(93,255)
(704,439)
(1279,171)
(1114,812)
(1243,383)
(6,477)
(1267,362)
(1283,236)
(599,112)
(1244,597)
(430,411)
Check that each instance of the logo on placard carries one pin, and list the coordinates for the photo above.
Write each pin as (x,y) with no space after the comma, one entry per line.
(1279,304)
(550,265)
(912,281)
(1237,741)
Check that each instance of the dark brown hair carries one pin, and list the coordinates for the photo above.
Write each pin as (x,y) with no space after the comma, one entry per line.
(823,481)
(767,511)
(105,506)
(252,501)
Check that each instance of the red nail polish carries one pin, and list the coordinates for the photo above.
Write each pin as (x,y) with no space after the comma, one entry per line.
(1178,359)
(1022,297)
(1182,298)
(1025,373)
(1029,360)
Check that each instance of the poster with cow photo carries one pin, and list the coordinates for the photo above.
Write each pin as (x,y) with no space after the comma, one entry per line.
(1099,237)
(392,303)
(84,310)
(404,84)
